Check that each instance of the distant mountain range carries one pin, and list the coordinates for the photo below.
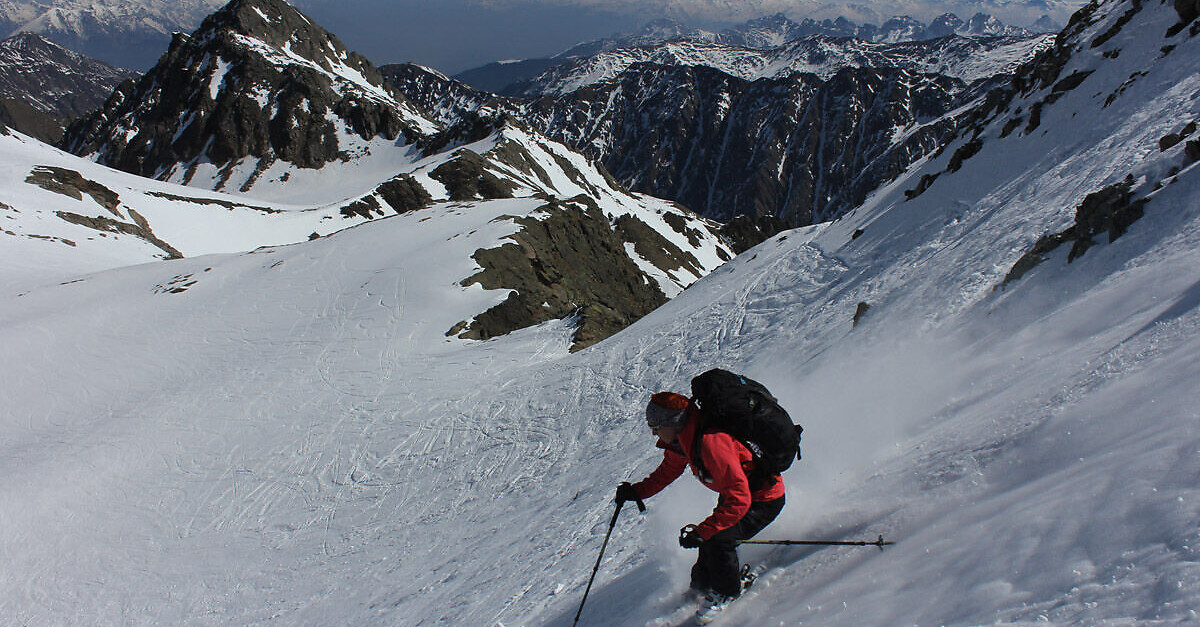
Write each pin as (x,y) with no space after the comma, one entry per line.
(766,33)
(44,86)
(127,33)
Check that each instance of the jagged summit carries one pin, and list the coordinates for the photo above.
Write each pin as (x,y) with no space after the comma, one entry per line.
(259,81)
(278,24)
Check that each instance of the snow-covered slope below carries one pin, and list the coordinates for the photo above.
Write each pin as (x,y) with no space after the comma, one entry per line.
(64,216)
(291,440)
(588,241)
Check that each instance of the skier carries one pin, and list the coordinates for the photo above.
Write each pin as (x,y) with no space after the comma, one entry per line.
(740,513)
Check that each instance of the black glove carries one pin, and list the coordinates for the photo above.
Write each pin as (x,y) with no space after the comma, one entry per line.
(625,492)
(689,539)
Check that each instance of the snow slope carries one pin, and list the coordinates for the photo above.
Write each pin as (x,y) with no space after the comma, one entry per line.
(39,246)
(292,441)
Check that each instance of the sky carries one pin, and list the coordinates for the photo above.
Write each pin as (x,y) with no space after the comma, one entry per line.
(457,35)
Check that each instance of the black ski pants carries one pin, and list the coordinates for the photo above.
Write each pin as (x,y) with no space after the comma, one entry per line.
(717,568)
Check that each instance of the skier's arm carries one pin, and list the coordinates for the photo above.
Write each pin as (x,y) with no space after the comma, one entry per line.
(724,464)
(672,465)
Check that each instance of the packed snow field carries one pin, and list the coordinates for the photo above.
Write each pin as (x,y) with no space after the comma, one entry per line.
(286,436)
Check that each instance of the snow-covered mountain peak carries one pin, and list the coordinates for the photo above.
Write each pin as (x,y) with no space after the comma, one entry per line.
(257,83)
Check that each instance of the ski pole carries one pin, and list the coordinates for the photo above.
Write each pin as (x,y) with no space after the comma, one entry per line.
(879,543)
(596,568)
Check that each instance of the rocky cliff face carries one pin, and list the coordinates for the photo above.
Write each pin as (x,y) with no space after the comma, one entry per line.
(258,80)
(800,148)
(567,262)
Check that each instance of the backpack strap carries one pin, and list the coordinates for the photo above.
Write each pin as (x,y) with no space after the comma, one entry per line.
(698,442)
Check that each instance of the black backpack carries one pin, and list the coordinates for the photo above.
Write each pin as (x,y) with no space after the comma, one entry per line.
(743,408)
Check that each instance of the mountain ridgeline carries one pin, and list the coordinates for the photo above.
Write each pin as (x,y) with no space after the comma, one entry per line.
(727,132)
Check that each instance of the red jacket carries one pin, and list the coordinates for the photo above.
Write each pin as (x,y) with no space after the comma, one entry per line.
(727,462)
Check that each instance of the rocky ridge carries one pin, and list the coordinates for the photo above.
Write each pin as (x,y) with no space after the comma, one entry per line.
(797,146)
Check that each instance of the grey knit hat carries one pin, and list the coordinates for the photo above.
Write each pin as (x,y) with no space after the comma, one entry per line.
(667,409)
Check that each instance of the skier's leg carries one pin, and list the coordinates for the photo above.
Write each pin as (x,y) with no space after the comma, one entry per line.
(700,579)
(721,558)
(724,572)
(759,516)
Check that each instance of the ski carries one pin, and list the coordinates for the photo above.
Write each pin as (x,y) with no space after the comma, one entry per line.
(877,543)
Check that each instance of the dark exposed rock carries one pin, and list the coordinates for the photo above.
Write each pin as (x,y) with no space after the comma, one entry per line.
(1037,255)
(1011,126)
(800,148)
(139,228)
(471,128)
(1109,211)
(466,177)
(922,186)
(679,224)
(404,194)
(745,232)
(1119,24)
(364,207)
(569,263)
(212,201)
(57,82)
(30,121)
(968,150)
(860,312)
(1168,141)
(73,184)
(1191,152)
(1188,11)
(653,247)
(1071,82)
